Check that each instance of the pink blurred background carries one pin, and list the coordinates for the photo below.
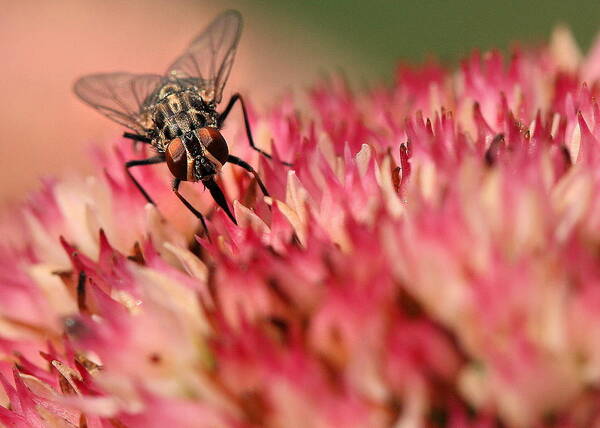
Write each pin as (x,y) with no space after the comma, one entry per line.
(45,46)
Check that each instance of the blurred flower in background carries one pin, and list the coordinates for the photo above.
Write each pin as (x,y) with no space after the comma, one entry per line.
(431,259)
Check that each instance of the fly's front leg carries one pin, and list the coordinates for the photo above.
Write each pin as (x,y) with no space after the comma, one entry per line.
(189,206)
(237,161)
(219,197)
(150,161)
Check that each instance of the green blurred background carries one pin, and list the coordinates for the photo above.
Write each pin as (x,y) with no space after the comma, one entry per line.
(382,32)
(287,44)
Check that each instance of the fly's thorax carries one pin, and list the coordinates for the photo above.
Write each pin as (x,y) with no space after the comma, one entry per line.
(197,155)
(179,113)
(170,86)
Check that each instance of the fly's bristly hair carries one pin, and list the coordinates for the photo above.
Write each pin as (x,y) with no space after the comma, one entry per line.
(179,112)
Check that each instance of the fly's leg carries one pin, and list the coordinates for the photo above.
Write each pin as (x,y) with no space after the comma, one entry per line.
(189,206)
(237,161)
(225,113)
(150,161)
(137,137)
(219,197)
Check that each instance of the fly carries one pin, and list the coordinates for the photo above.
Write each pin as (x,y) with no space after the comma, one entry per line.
(176,113)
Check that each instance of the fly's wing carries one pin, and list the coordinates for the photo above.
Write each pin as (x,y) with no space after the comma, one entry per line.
(209,57)
(119,96)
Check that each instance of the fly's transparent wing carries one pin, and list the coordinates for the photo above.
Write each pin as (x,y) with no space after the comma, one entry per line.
(119,96)
(210,56)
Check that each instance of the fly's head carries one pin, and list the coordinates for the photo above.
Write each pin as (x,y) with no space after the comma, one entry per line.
(190,163)
(205,168)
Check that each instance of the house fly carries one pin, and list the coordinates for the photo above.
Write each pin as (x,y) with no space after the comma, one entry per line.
(176,113)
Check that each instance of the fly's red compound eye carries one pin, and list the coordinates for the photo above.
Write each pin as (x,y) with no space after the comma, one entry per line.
(178,162)
(215,144)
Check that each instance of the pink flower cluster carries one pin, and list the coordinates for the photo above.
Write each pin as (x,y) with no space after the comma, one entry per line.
(432,259)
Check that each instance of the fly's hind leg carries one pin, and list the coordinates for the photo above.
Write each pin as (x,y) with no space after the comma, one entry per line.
(225,113)
(137,137)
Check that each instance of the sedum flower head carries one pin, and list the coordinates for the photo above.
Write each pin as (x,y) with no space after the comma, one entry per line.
(431,259)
